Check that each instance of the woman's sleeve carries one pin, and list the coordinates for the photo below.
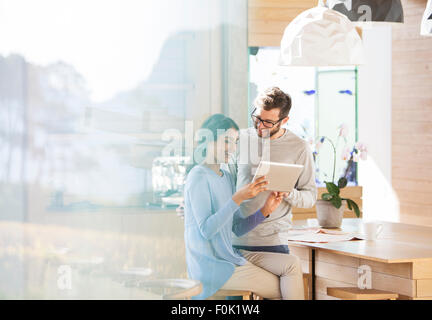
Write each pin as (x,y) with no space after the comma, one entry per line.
(198,193)
(242,225)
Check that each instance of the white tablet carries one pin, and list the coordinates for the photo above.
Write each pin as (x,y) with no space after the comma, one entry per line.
(281,176)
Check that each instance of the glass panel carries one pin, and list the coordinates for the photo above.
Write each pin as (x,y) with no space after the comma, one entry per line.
(89,94)
(336,107)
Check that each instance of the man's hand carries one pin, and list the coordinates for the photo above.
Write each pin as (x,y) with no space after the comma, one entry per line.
(250,190)
(273,201)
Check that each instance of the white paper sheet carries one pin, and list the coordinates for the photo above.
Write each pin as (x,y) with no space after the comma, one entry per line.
(318,235)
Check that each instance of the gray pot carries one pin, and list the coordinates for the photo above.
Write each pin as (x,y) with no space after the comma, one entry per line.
(328,216)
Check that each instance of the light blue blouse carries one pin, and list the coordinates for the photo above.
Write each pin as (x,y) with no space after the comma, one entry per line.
(210,218)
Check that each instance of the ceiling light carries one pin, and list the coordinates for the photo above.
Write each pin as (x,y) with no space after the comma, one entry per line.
(321,37)
(426,26)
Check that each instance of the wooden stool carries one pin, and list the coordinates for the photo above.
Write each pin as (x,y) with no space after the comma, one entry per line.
(245,294)
(361,294)
(306,286)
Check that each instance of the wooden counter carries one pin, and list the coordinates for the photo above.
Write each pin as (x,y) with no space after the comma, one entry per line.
(400,260)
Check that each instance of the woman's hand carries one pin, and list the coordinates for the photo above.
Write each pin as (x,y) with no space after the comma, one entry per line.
(250,190)
(273,201)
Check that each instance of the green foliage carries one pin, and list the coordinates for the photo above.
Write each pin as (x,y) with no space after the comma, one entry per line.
(342,183)
(332,188)
(334,197)
(327,196)
(336,201)
(352,205)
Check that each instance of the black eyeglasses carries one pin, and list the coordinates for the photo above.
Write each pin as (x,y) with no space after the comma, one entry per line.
(266,123)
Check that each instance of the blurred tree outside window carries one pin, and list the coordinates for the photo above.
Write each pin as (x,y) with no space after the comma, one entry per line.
(84,106)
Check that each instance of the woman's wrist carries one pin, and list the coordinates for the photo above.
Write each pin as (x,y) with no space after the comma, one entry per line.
(237,198)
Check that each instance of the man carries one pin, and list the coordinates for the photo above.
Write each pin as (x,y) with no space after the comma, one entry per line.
(273,143)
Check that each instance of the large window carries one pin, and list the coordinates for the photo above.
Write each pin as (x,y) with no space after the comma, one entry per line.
(88,92)
(336,111)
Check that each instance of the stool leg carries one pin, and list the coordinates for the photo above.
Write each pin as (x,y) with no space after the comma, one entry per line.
(247,297)
(306,287)
(256,297)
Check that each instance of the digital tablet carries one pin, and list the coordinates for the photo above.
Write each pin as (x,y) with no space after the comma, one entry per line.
(282,177)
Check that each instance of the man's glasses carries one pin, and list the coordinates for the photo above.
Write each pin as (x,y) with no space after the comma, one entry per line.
(266,123)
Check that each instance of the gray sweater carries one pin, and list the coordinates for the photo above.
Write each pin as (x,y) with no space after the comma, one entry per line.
(290,149)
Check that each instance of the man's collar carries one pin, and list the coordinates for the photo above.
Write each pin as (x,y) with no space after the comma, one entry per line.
(284,132)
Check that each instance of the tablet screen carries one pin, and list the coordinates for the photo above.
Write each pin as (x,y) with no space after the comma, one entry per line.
(282,177)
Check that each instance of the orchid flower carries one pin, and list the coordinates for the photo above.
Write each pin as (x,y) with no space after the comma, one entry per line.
(356,157)
(346,154)
(343,130)
(362,150)
(360,146)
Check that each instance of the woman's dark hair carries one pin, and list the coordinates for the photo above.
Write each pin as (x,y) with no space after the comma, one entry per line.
(217,125)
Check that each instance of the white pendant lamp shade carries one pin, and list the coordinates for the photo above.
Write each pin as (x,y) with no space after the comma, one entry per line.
(426,26)
(321,37)
(369,10)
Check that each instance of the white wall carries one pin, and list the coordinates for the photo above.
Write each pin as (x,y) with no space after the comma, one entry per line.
(375,83)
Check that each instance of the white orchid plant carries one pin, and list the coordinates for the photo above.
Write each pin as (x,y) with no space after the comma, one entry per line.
(352,155)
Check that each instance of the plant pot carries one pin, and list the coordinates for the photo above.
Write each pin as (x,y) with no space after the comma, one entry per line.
(328,216)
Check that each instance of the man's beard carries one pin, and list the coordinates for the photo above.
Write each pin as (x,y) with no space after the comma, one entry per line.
(273,131)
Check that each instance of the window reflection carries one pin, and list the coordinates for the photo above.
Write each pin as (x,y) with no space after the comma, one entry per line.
(83,106)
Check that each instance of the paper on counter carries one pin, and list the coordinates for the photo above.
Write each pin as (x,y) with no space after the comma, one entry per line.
(318,235)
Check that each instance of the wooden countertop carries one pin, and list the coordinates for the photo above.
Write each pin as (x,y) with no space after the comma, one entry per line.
(397,243)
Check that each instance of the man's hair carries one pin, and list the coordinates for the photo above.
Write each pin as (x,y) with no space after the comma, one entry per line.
(274,98)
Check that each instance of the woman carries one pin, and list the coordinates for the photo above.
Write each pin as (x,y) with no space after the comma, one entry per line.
(212,214)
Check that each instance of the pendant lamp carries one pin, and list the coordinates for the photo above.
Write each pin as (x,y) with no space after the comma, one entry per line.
(321,37)
(426,26)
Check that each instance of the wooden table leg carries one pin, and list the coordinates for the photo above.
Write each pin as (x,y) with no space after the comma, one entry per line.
(313,274)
